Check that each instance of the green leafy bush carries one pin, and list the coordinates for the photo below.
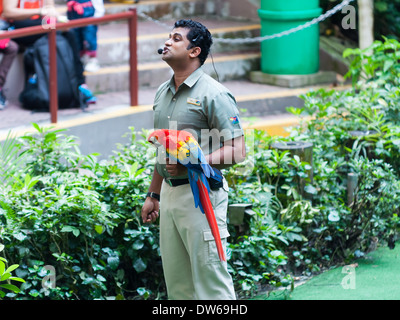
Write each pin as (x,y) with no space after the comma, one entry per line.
(6,276)
(80,216)
(259,254)
(354,133)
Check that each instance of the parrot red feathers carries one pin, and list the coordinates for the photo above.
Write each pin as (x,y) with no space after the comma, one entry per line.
(181,146)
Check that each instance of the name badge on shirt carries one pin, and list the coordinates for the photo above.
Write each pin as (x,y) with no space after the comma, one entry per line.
(193,101)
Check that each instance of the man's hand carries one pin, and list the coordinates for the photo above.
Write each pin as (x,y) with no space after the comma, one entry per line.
(175,169)
(49,11)
(150,210)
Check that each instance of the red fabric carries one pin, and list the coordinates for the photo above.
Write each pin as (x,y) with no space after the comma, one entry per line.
(30,4)
(78,7)
(3,43)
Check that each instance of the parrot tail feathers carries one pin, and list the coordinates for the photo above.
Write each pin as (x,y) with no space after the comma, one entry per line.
(211,219)
(193,178)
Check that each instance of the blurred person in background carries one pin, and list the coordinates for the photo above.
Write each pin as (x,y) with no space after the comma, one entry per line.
(86,36)
(27,13)
(9,49)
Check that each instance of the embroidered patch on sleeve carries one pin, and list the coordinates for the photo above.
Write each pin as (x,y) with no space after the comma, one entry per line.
(193,101)
(234,120)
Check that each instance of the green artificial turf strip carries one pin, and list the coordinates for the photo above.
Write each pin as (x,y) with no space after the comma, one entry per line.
(377,277)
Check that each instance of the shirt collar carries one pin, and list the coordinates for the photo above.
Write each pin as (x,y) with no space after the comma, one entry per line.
(190,81)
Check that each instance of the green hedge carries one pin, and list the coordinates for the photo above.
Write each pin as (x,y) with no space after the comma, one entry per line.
(81,216)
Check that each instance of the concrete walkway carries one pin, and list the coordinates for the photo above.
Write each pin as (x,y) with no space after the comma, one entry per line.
(14,116)
(261,106)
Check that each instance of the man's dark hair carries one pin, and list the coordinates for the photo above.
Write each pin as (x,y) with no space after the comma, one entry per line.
(198,35)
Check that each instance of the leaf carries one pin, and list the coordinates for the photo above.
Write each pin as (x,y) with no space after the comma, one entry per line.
(17,279)
(99,229)
(139,265)
(134,168)
(12,268)
(333,216)
(5,276)
(20,236)
(348,52)
(381,6)
(143,292)
(2,267)
(310,189)
(113,262)
(387,65)
(138,172)
(101,278)
(276,254)
(293,236)
(137,245)
(75,231)
(295,111)
(10,287)
(36,126)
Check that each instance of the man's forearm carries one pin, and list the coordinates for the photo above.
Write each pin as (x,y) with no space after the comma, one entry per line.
(230,153)
(155,185)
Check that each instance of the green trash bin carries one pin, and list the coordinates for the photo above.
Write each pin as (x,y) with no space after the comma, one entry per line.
(297,53)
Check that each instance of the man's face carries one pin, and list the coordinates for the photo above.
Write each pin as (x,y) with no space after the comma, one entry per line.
(175,48)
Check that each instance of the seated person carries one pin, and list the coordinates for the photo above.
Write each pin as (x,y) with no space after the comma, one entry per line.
(27,13)
(9,49)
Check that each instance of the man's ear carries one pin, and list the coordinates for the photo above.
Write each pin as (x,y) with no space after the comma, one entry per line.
(195,51)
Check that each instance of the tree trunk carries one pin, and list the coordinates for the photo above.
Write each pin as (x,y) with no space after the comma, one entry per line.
(366,23)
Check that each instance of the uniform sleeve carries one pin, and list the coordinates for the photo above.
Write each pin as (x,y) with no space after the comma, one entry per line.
(223,115)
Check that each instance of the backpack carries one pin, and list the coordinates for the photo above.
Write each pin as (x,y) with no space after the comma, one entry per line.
(35,95)
(80,9)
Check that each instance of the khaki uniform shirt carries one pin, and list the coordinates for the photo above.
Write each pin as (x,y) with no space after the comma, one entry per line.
(202,106)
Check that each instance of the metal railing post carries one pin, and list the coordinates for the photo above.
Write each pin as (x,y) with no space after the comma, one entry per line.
(133,71)
(53,85)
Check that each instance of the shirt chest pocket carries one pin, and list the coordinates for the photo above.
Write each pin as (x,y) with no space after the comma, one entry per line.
(192,118)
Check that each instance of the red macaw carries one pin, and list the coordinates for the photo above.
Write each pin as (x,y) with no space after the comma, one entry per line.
(181,146)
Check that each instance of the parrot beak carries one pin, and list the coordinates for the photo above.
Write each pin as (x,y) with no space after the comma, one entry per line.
(153,139)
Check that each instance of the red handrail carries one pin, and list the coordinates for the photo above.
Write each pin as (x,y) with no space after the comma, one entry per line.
(51,29)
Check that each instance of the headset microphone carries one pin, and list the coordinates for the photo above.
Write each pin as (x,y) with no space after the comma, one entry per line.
(160,51)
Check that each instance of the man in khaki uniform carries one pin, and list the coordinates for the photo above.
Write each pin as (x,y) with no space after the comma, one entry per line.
(195,102)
